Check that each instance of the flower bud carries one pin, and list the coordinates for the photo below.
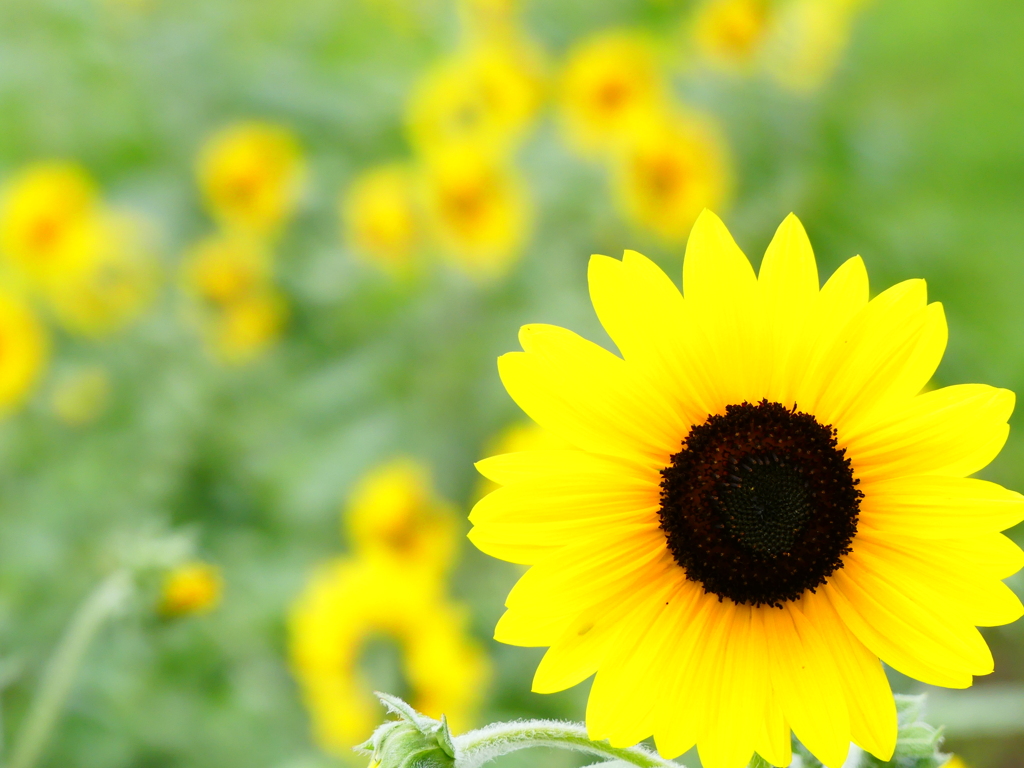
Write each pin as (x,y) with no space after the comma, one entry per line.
(412,741)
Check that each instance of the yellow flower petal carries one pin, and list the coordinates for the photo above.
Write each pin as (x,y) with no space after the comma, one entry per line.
(806,679)
(950,431)
(939,507)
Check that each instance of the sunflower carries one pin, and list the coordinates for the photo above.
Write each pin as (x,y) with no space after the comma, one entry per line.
(381,220)
(760,506)
(191,588)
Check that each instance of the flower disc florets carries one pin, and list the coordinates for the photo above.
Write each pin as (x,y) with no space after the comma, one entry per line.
(760,505)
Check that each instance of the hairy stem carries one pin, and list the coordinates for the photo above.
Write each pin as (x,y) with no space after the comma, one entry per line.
(63,665)
(478,747)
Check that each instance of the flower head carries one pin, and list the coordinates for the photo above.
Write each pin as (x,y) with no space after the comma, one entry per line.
(381,218)
(730,33)
(251,176)
(477,209)
(345,605)
(607,82)
(40,209)
(668,171)
(760,506)
(191,588)
(108,276)
(394,515)
(486,96)
(23,350)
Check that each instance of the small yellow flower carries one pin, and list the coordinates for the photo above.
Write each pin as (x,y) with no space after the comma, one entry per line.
(252,175)
(350,602)
(955,762)
(478,210)
(381,219)
(23,350)
(39,209)
(247,327)
(730,33)
(485,95)
(108,276)
(191,588)
(608,80)
(394,515)
(81,396)
(669,170)
(225,268)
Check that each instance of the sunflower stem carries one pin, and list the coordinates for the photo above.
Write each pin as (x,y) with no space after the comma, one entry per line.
(481,746)
(62,667)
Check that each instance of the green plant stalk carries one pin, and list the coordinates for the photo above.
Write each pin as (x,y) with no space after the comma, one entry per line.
(62,668)
(478,747)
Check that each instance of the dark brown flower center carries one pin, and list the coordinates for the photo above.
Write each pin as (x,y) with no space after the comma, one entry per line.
(760,504)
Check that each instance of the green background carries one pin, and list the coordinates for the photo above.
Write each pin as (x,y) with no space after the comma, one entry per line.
(912,155)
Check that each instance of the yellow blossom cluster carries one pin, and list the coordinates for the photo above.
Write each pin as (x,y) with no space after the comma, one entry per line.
(393,585)
(667,161)
(460,195)
(251,175)
(797,43)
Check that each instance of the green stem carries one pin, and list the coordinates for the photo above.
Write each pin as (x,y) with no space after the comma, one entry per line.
(63,665)
(478,747)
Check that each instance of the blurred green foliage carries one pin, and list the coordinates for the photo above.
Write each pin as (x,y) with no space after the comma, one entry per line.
(913,156)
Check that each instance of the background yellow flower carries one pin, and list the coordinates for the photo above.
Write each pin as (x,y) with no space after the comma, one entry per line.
(380,217)
(252,175)
(191,588)
(24,346)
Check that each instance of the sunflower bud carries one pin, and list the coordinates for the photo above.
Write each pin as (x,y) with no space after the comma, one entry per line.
(412,741)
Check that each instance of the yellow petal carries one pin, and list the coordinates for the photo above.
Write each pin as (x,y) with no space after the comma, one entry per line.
(774,743)
(586,396)
(840,299)
(584,645)
(739,693)
(720,287)
(951,431)
(864,684)
(508,468)
(624,695)
(805,678)
(644,313)
(939,507)
(903,634)
(944,585)
(884,355)
(989,554)
(788,284)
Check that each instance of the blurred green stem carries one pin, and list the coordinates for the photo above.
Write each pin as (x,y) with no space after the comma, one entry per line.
(62,668)
(478,747)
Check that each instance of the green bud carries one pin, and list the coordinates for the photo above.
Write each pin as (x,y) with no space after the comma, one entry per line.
(412,741)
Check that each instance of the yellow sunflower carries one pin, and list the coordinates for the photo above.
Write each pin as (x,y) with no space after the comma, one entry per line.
(24,349)
(608,80)
(252,175)
(380,218)
(760,506)
(191,588)
(669,169)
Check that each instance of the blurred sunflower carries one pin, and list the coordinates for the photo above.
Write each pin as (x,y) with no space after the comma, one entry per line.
(381,220)
(486,95)
(39,210)
(404,542)
(251,175)
(23,350)
(349,603)
(225,268)
(607,81)
(477,209)
(796,42)
(191,588)
(730,33)
(394,516)
(668,170)
(108,276)
(760,507)
(238,309)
